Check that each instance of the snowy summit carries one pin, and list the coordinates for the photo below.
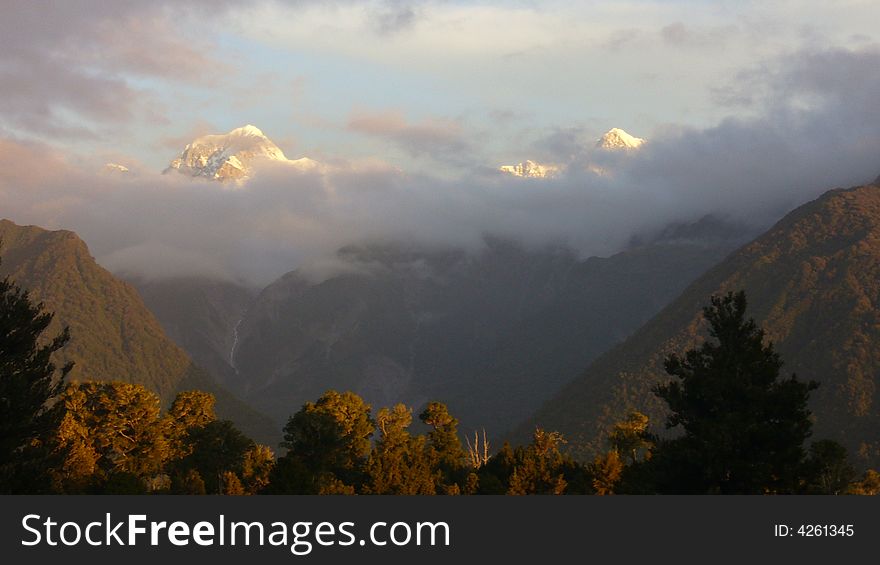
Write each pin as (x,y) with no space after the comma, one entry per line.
(530,169)
(616,138)
(231,156)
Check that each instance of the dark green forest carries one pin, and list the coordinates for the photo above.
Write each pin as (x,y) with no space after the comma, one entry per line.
(736,424)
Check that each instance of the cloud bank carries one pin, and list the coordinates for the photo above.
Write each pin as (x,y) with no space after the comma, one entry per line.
(815,125)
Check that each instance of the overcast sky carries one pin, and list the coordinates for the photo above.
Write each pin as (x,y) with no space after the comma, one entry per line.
(750,108)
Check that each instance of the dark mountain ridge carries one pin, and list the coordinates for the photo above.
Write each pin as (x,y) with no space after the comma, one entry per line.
(813,282)
(491,333)
(114,336)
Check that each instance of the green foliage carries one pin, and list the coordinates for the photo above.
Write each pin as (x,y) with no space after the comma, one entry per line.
(399,463)
(606,472)
(29,382)
(444,448)
(256,468)
(630,437)
(827,469)
(190,410)
(813,283)
(218,450)
(108,431)
(869,485)
(189,483)
(540,467)
(112,438)
(328,443)
(744,426)
(114,337)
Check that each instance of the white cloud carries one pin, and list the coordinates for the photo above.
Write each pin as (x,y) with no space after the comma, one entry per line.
(751,169)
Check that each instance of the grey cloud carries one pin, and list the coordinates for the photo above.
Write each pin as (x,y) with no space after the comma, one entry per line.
(622,38)
(394,16)
(65,66)
(753,170)
(440,138)
(679,35)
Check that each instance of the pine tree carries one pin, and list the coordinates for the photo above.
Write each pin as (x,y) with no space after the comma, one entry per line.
(29,382)
(743,426)
(444,448)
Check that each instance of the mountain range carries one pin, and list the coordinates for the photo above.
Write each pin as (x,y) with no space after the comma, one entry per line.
(492,333)
(114,336)
(614,139)
(813,283)
(496,333)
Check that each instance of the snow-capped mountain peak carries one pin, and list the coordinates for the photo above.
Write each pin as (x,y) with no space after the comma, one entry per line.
(231,156)
(114,168)
(248,130)
(530,169)
(616,138)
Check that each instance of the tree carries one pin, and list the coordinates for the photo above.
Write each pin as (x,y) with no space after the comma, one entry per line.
(630,437)
(869,485)
(743,426)
(189,483)
(218,450)
(605,472)
(494,475)
(109,433)
(828,471)
(328,443)
(444,447)
(190,410)
(540,466)
(256,468)
(398,462)
(29,383)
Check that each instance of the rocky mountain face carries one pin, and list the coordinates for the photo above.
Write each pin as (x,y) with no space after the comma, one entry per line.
(201,315)
(231,156)
(813,283)
(114,336)
(491,333)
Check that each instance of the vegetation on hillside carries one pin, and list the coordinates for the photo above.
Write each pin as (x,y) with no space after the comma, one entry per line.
(745,430)
(813,283)
(114,336)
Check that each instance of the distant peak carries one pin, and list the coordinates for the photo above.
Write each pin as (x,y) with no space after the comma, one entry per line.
(247,130)
(232,156)
(531,169)
(616,138)
(114,168)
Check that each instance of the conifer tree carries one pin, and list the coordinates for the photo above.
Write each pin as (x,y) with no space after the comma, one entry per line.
(29,382)
(444,447)
(743,425)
